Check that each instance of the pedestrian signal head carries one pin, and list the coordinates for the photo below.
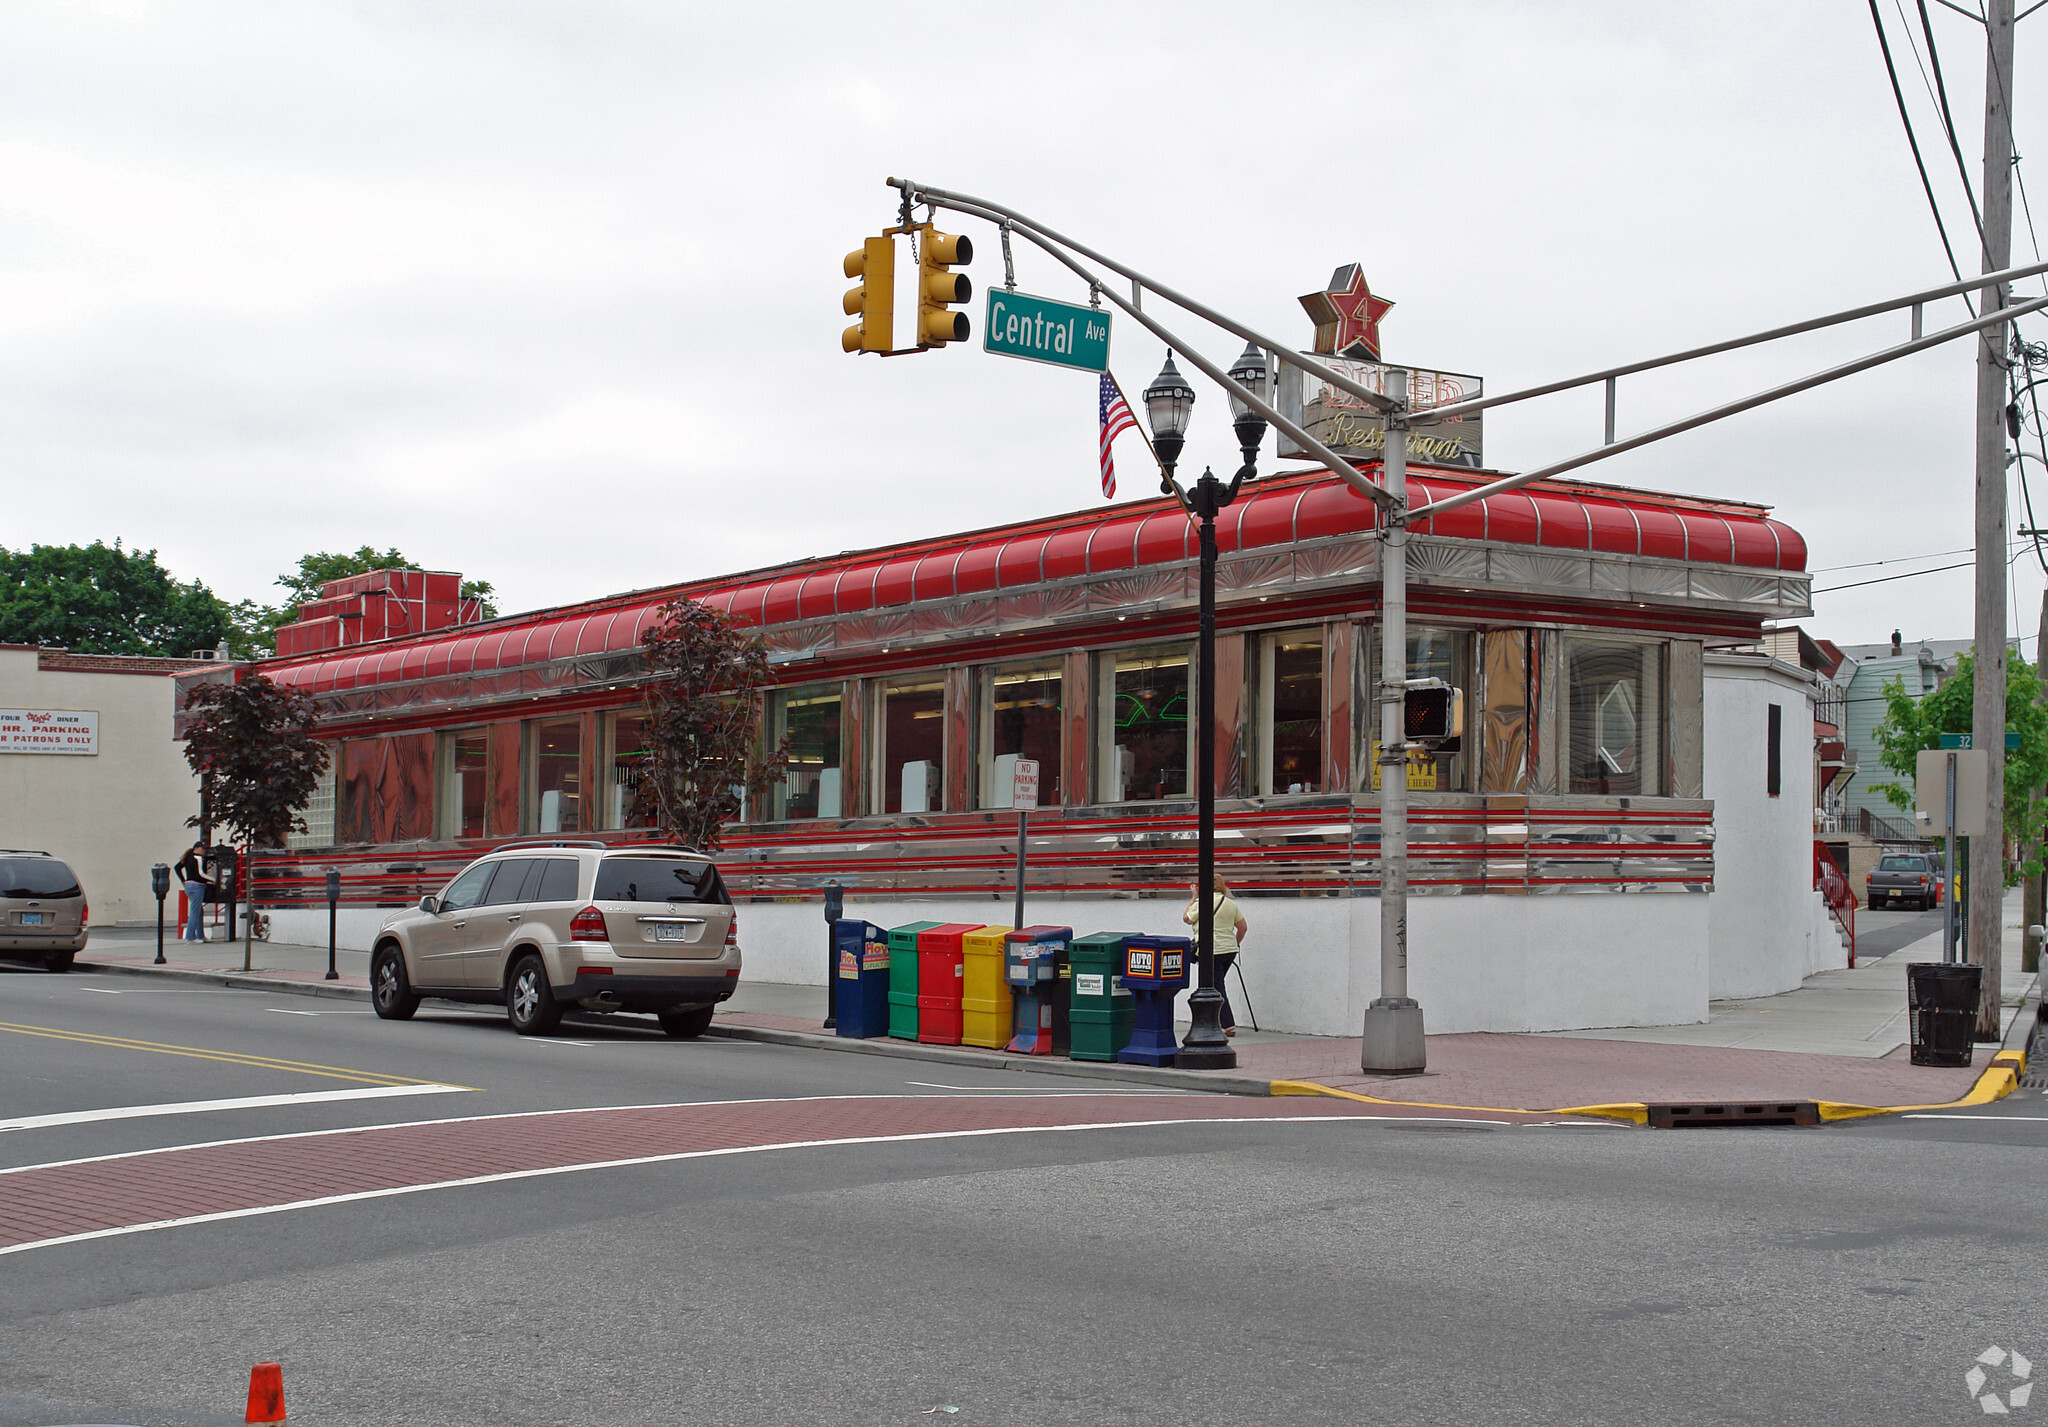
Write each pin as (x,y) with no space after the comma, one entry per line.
(873,298)
(1434,715)
(938,289)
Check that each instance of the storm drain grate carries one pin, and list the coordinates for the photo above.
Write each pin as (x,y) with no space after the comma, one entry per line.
(1734,1112)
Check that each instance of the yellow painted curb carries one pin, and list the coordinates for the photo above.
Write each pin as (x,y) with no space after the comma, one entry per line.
(2000,1078)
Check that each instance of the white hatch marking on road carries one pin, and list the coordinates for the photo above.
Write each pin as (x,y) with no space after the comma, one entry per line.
(199,1107)
(1993,1119)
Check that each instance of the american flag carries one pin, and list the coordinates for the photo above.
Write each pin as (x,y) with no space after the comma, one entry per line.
(1116,419)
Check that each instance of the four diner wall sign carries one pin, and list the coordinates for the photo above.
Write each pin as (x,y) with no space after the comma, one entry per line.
(50,731)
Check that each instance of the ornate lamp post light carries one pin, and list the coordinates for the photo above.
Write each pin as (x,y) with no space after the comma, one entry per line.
(1169,402)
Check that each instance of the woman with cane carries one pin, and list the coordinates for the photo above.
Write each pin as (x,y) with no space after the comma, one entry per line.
(1228,926)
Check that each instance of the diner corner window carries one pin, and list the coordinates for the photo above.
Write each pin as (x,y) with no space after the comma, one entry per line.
(809,719)
(1774,747)
(1290,712)
(1145,714)
(319,811)
(912,745)
(1614,717)
(1020,712)
(625,771)
(464,793)
(557,779)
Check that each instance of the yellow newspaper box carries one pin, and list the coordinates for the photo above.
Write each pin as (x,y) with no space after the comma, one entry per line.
(985,995)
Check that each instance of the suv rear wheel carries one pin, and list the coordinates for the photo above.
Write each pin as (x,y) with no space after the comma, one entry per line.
(390,991)
(530,1002)
(686,1023)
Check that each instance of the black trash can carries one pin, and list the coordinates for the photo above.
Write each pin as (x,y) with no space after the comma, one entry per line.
(1941,1002)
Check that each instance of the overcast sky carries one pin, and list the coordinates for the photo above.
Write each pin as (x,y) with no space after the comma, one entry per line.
(549,293)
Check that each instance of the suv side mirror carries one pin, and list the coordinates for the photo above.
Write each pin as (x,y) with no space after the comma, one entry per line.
(430,905)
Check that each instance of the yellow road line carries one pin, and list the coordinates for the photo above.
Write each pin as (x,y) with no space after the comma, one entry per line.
(258,1062)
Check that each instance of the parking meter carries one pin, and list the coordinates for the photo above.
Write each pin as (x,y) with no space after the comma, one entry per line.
(333,902)
(160,883)
(835,907)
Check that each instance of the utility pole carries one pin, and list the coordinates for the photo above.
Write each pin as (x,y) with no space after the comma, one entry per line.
(1987,718)
(2036,899)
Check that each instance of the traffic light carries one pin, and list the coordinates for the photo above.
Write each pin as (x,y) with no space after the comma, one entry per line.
(937,323)
(873,298)
(1435,715)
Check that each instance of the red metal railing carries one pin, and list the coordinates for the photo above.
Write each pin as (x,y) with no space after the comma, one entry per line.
(1831,880)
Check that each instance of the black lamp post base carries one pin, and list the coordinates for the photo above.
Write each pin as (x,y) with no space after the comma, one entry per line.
(1393,1043)
(1205,1047)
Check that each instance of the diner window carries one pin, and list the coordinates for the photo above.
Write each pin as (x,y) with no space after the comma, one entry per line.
(557,777)
(1290,712)
(810,719)
(464,793)
(912,745)
(1614,716)
(626,772)
(1146,704)
(1020,718)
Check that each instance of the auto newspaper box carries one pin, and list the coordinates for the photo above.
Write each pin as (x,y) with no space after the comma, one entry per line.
(1033,961)
(1100,1003)
(903,979)
(984,989)
(1155,970)
(860,982)
(940,972)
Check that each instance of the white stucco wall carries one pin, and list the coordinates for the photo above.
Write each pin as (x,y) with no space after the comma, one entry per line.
(110,814)
(1766,927)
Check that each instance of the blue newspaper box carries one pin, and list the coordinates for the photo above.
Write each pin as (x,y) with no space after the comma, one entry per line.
(1032,961)
(860,978)
(1155,969)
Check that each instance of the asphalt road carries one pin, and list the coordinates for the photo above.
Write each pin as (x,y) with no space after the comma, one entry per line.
(1179,1271)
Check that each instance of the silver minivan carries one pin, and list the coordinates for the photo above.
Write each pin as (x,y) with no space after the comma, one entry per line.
(43,912)
(545,928)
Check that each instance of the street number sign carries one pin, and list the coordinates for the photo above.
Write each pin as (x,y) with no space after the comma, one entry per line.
(1965,740)
(1041,330)
(1024,784)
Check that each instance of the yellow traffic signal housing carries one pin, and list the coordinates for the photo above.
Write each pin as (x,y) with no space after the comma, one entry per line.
(873,298)
(937,288)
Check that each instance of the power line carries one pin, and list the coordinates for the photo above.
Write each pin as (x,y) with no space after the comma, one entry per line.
(1894,560)
(1948,123)
(1885,579)
(1926,184)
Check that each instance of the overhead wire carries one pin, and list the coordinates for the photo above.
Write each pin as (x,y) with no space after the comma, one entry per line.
(1948,123)
(1926,184)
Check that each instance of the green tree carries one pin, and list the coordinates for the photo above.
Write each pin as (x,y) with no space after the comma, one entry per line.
(102,599)
(703,707)
(1911,725)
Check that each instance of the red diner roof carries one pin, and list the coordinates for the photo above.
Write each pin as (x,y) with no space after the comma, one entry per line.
(1277,511)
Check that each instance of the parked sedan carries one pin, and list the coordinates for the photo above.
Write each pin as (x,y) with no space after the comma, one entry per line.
(1903,879)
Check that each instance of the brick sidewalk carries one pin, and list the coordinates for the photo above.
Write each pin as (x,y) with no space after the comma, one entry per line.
(41,1205)
(1554,1072)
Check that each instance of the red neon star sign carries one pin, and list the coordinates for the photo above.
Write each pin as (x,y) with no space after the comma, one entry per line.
(1347,315)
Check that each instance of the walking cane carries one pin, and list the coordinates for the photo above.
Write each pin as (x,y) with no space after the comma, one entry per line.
(1247,995)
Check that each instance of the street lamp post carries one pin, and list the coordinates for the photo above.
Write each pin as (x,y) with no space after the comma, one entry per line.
(1168,404)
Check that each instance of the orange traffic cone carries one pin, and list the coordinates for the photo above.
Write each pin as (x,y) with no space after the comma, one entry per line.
(266,1395)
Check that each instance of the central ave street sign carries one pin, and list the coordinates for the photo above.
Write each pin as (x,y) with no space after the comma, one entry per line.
(1041,330)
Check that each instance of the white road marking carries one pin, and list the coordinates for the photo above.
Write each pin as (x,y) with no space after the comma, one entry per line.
(551,1170)
(99,990)
(1994,1119)
(200,1107)
(281,1011)
(1040,1090)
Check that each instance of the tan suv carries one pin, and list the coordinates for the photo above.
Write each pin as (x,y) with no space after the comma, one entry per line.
(43,915)
(541,929)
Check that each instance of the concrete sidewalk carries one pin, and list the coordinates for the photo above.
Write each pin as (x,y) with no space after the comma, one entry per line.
(1839,1038)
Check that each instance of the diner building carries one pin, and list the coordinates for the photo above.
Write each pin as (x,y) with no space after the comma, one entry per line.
(1564,857)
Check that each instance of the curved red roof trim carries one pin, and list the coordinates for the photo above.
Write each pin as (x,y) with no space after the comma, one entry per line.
(1277,511)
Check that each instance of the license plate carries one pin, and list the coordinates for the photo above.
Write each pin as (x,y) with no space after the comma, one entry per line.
(668,932)
(31,919)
